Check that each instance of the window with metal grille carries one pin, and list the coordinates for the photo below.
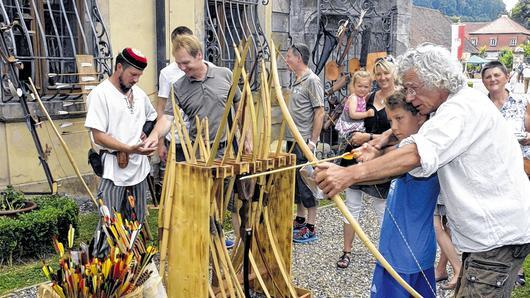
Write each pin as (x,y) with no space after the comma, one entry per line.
(513,42)
(46,36)
(228,23)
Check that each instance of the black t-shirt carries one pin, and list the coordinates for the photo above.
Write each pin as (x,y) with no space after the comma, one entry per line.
(379,123)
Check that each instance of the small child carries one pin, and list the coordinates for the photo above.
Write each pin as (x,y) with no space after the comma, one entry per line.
(407,238)
(352,118)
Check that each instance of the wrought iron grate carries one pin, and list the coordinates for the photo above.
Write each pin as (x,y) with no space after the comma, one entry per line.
(45,36)
(227,24)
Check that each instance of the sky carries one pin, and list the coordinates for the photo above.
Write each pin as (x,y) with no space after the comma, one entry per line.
(510,4)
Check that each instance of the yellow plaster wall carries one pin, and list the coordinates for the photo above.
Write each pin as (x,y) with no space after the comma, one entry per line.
(184,13)
(131,23)
(135,27)
(4,165)
(20,162)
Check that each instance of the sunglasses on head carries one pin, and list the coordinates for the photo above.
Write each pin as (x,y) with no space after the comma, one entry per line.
(386,58)
(293,46)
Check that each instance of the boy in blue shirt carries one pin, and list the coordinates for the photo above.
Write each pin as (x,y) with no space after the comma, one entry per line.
(407,238)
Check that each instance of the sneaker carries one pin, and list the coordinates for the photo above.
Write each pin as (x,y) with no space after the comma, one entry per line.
(229,243)
(297,226)
(304,235)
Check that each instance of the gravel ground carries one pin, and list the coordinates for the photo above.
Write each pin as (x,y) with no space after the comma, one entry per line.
(314,264)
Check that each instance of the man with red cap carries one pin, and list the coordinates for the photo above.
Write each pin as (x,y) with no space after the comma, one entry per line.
(117,111)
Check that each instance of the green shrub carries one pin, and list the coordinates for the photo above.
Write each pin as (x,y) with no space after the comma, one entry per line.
(11,199)
(30,234)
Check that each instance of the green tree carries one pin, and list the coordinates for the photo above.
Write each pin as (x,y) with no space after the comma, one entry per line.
(455,19)
(526,49)
(506,57)
(469,10)
(521,13)
(482,51)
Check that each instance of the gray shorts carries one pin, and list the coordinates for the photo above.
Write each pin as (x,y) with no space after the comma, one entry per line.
(491,273)
(302,194)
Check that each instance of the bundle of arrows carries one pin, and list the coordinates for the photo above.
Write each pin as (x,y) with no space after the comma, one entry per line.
(121,272)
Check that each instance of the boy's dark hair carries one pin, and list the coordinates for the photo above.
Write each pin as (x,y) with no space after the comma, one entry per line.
(180,30)
(397,100)
(494,64)
(302,51)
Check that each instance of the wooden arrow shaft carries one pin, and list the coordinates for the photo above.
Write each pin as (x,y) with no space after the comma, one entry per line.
(311,163)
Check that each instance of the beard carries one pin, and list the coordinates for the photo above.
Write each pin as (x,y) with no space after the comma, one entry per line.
(124,88)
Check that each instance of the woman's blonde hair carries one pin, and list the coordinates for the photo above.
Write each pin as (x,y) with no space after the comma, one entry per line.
(189,42)
(385,66)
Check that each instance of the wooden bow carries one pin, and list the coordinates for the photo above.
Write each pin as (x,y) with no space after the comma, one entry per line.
(338,201)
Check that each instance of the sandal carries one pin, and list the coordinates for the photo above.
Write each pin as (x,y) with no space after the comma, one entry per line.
(344,260)
(448,286)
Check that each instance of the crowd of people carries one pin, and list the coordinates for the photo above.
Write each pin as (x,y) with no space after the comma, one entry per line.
(478,157)
(456,161)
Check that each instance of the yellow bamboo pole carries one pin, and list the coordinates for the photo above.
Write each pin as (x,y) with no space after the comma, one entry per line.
(207,136)
(63,143)
(235,78)
(183,132)
(311,163)
(168,205)
(258,275)
(276,254)
(163,195)
(250,104)
(266,112)
(217,269)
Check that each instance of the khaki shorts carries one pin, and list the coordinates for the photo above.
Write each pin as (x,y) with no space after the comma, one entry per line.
(491,273)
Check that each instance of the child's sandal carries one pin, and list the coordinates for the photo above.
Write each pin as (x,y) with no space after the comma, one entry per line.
(344,260)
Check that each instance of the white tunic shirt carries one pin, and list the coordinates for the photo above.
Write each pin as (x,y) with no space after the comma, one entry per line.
(169,75)
(480,168)
(109,112)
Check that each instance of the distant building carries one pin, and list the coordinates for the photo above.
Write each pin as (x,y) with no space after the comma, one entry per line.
(497,35)
(430,25)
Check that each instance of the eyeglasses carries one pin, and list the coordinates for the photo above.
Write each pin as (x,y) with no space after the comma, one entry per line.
(411,91)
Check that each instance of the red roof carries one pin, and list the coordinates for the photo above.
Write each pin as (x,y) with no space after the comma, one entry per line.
(502,25)
(472,26)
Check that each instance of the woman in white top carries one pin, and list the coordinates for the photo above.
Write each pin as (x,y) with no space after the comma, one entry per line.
(514,107)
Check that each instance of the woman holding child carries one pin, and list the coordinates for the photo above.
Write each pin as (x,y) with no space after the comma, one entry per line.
(375,122)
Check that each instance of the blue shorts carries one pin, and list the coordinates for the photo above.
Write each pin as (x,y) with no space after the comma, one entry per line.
(385,286)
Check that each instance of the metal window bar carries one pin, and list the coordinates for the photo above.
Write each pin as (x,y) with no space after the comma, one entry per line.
(229,22)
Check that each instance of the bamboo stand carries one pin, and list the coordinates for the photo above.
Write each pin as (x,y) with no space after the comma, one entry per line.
(196,194)
(189,252)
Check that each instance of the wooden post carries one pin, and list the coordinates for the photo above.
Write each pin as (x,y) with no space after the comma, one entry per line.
(188,252)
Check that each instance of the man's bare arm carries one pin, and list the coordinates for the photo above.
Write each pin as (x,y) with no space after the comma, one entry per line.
(161,129)
(333,179)
(318,121)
